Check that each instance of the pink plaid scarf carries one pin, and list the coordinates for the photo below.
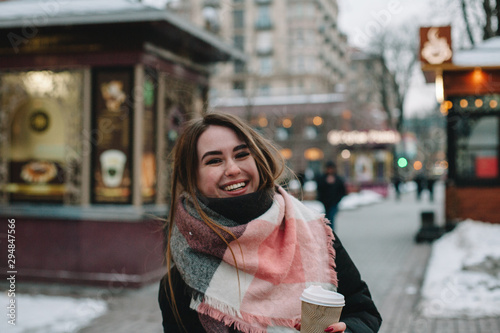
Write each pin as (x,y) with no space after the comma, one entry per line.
(278,255)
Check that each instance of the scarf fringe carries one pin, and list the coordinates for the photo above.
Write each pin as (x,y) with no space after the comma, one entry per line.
(243,322)
(330,238)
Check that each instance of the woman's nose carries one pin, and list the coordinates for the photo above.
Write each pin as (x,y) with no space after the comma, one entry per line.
(232,168)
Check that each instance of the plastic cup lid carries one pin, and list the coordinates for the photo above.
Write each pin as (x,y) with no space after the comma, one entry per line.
(320,296)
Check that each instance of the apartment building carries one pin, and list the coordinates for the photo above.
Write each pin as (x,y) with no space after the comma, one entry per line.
(292,85)
(301,84)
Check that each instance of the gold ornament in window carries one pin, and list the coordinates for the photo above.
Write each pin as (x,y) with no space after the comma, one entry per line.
(39,121)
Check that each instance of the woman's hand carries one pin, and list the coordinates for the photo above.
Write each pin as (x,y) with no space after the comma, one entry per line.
(339,327)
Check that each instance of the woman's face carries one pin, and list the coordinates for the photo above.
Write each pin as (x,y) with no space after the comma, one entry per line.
(226,168)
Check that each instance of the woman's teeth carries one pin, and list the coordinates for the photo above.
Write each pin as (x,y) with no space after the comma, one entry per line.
(234,186)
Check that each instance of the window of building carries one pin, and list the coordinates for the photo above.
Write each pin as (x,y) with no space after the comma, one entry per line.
(474,139)
(282,134)
(310,64)
(239,42)
(265,65)
(309,37)
(299,37)
(238,19)
(314,154)
(310,132)
(477,147)
(239,87)
(263,17)
(300,64)
(40,132)
(211,17)
(298,10)
(264,42)
(239,66)
(264,90)
(309,9)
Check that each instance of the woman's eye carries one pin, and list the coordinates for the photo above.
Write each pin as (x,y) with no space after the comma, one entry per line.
(242,154)
(213,161)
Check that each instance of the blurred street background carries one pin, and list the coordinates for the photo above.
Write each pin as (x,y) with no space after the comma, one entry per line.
(398,94)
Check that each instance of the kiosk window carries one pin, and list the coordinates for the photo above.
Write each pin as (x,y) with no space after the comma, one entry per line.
(477,147)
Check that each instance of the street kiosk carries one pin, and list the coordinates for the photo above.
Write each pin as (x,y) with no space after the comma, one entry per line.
(92,97)
(468,88)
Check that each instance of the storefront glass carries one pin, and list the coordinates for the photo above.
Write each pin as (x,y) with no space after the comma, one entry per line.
(148,176)
(113,105)
(474,137)
(477,147)
(41,113)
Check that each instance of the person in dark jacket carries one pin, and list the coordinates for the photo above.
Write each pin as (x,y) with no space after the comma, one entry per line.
(331,189)
(421,182)
(240,249)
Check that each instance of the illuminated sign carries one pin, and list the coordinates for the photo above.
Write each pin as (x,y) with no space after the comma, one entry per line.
(363,137)
(435,45)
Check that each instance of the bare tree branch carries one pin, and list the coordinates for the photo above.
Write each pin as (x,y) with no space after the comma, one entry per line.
(487,29)
(398,51)
(466,20)
(497,10)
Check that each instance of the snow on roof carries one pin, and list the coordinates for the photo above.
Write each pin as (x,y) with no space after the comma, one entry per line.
(484,54)
(25,13)
(31,14)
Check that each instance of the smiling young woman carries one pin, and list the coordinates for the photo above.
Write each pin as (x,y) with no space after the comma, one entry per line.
(226,167)
(240,249)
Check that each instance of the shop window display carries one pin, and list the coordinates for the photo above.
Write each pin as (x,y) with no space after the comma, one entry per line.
(477,147)
(112,177)
(41,111)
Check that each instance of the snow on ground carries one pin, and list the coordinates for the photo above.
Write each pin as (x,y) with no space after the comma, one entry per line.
(361,198)
(54,314)
(463,274)
(349,202)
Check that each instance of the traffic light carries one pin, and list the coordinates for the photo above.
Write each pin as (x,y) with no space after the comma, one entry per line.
(402,162)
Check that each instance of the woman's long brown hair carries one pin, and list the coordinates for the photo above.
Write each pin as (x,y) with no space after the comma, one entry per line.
(270,165)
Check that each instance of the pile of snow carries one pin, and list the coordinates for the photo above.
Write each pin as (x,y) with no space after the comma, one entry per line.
(349,202)
(55,314)
(463,275)
(361,198)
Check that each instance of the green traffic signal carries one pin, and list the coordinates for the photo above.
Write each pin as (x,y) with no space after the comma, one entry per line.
(402,162)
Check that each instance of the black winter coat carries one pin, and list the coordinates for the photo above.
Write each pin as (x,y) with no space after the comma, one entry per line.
(330,194)
(359,313)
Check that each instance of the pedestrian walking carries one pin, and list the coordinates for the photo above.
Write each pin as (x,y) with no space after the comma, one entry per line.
(396,181)
(240,249)
(430,187)
(421,182)
(331,189)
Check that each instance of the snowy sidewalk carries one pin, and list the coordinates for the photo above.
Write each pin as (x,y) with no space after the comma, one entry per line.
(380,239)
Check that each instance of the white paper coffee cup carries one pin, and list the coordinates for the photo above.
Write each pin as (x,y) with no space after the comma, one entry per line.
(320,309)
(112,166)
